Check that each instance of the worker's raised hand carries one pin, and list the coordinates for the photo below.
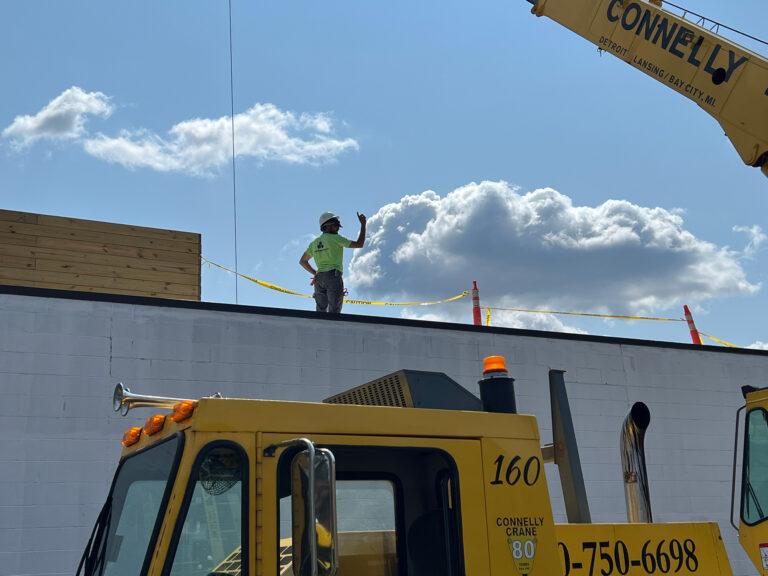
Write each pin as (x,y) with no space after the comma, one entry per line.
(361,217)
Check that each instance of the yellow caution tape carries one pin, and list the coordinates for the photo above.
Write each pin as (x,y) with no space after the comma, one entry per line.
(452,298)
(593,315)
(723,342)
(348,301)
(457,297)
(259,282)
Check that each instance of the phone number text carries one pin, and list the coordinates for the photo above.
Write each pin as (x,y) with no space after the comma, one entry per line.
(608,558)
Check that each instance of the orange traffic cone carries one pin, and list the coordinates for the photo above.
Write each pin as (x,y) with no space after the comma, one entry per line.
(691,326)
(476,305)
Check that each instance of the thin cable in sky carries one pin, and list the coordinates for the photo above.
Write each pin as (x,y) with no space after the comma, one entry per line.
(232,116)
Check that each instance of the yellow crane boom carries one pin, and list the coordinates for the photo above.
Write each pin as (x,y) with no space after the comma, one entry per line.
(727,80)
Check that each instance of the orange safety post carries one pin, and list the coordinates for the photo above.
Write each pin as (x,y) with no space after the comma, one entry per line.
(691,326)
(476,305)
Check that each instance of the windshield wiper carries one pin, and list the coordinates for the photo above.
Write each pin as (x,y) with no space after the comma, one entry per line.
(93,556)
(751,493)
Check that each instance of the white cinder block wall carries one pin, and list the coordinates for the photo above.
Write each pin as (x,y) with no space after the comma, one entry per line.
(62,353)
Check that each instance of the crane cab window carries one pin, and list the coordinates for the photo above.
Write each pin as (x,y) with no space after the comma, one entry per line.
(754,489)
(397,510)
(212,536)
(132,516)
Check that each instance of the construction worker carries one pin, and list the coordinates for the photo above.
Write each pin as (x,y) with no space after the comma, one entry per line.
(328,253)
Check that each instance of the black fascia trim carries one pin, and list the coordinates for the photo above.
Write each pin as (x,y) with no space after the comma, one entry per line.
(358,318)
(189,489)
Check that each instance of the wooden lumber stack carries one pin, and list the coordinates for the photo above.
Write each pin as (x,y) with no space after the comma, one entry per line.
(71,254)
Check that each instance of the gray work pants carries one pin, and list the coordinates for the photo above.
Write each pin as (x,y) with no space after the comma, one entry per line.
(329,291)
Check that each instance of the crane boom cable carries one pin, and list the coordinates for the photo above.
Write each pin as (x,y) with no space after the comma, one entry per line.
(232,117)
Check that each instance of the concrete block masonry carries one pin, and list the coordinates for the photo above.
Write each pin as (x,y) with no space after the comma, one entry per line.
(61,353)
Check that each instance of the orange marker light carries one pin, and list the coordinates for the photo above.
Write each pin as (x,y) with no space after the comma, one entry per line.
(131,436)
(494,364)
(183,410)
(154,424)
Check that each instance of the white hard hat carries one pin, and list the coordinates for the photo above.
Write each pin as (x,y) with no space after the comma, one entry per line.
(325,217)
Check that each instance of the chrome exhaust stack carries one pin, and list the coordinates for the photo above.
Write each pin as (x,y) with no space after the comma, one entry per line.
(632,446)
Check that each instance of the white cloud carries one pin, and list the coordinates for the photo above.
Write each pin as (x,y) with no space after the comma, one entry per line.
(756,239)
(202,145)
(198,146)
(539,251)
(62,119)
(758,345)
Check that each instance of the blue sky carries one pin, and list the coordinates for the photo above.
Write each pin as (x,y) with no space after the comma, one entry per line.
(482,142)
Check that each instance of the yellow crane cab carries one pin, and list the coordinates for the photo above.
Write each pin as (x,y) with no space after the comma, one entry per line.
(408,475)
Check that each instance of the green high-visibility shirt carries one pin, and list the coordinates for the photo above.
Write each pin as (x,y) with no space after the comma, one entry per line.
(328,251)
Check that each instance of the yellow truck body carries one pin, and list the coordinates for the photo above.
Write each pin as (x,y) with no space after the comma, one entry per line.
(418,492)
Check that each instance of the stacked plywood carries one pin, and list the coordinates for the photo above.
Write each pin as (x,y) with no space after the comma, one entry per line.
(71,254)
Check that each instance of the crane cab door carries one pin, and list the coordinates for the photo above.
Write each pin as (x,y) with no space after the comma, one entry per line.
(520,526)
(753,523)
(405,506)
